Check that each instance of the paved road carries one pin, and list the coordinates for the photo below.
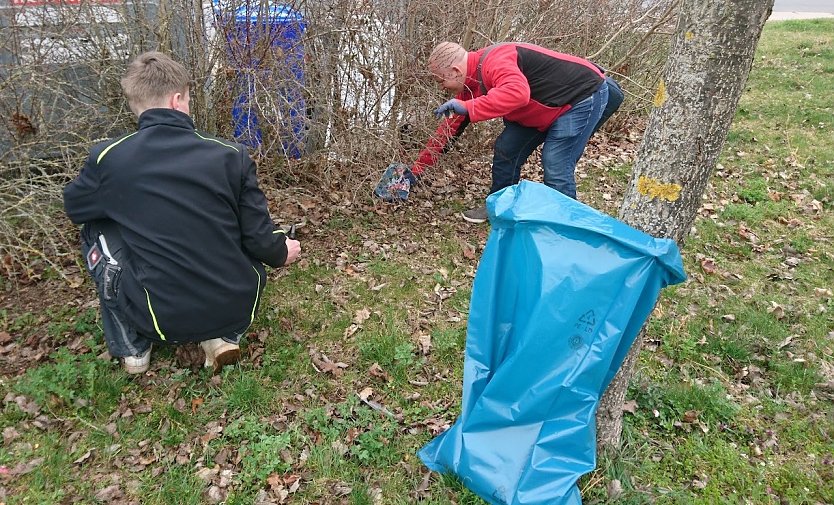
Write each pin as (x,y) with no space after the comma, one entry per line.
(804,6)
(802,9)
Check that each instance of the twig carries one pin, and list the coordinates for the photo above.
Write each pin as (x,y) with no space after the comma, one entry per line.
(622,29)
(376,406)
(650,32)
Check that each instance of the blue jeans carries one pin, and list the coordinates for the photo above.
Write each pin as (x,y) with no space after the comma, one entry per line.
(564,142)
(615,99)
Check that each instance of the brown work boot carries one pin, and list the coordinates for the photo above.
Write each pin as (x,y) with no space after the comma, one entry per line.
(220,353)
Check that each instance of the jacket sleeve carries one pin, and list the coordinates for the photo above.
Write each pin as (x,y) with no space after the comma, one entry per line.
(82,198)
(508,87)
(260,238)
(443,139)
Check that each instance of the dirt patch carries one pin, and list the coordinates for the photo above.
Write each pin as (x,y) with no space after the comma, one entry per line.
(27,313)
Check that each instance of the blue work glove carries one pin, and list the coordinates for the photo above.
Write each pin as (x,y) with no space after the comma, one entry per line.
(453,105)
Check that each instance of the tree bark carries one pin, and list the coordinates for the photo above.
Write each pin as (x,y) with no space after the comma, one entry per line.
(705,74)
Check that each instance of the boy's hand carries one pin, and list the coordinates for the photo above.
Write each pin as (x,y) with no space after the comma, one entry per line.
(293,250)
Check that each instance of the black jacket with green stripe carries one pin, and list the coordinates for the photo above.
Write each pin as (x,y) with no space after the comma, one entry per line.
(194,222)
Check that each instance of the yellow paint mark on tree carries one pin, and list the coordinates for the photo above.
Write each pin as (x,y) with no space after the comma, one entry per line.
(660,94)
(689,36)
(656,189)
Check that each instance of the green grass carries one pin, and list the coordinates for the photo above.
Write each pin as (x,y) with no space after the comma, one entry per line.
(78,383)
(744,345)
(728,407)
(176,484)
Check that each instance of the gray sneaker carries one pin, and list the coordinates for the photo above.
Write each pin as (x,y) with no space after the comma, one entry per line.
(476,215)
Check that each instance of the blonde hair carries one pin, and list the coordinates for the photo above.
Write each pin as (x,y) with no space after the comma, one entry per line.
(445,55)
(151,77)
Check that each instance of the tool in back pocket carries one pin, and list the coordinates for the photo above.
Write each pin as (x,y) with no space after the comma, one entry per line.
(110,281)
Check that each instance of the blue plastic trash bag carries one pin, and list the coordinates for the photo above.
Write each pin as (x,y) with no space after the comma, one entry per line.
(561,292)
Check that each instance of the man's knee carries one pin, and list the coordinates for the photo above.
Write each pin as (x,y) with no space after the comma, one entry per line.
(615,99)
(615,95)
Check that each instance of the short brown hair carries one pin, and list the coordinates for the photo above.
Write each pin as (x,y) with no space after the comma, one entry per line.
(151,77)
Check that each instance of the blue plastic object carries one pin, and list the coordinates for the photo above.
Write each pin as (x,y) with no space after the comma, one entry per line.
(396,183)
(265,45)
(560,294)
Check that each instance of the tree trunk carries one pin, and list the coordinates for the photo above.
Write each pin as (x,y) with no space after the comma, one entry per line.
(705,74)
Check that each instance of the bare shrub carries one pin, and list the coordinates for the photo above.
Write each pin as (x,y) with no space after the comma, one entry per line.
(326,99)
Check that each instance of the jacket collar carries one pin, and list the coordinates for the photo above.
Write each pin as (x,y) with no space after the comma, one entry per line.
(169,117)
(471,81)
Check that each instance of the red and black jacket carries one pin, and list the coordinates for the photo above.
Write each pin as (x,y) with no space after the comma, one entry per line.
(523,83)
